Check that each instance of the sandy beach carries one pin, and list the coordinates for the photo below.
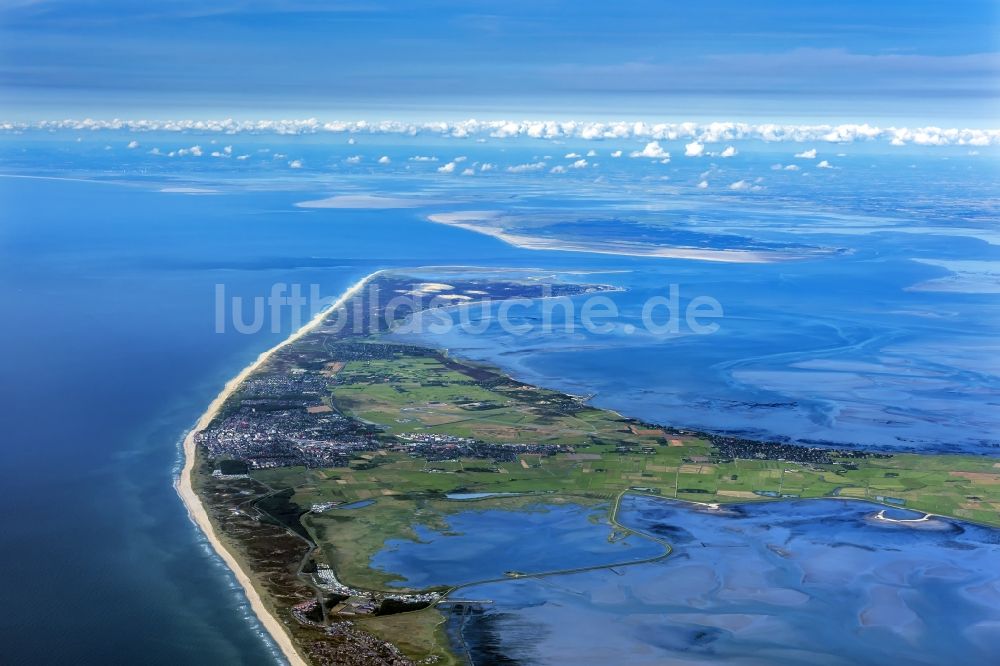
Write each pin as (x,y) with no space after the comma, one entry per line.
(484,222)
(194,505)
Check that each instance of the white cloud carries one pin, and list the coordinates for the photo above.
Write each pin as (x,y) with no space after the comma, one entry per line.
(703,185)
(728,152)
(447,168)
(423,158)
(558,169)
(132,144)
(469,172)
(824,165)
(295,164)
(617,153)
(745,186)
(591,153)
(228,150)
(524,168)
(653,150)
(807,154)
(460,158)
(351,141)
(487,166)
(579,164)
(242,157)
(792,167)
(193,150)
(353,159)
(155,151)
(694,149)
(571,156)
(384,160)
(705,133)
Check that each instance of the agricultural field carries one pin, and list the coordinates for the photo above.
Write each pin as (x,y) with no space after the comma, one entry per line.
(603,454)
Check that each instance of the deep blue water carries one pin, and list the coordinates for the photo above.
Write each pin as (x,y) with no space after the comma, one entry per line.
(109,290)
(112,354)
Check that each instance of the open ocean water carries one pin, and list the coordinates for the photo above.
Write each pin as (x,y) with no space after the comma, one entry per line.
(109,290)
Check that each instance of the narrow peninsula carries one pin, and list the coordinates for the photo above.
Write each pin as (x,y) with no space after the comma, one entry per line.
(343,438)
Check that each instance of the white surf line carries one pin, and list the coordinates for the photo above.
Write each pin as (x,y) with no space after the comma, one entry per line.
(193,503)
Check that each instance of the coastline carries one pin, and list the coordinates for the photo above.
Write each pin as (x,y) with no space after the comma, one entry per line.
(197,511)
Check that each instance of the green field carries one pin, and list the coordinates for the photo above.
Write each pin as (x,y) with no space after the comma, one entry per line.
(567,451)
(420,394)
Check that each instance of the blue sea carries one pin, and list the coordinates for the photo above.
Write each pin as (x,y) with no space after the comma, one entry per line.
(112,261)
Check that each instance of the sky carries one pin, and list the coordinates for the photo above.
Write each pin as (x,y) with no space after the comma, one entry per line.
(914,62)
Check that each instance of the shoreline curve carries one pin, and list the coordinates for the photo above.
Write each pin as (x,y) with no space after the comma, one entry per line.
(197,512)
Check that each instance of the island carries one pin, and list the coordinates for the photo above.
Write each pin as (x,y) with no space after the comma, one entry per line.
(343,438)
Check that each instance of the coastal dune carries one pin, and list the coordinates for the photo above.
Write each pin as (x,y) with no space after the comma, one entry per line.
(193,503)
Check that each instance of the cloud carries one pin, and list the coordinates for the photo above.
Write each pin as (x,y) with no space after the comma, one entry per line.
(525,168)
(705,133)
(591,153)
(703,185)
(558,169)
(447,168)
(745,186)
(469,172)
(487,166)
(807,154)
(792,167)
(730,151)
(694,149)
(228,150)
(824,165)
(194,151)
(295,164)
(460,158)
(579,164)
(616,153)
(132,144)
(423,158)
(571,156)
(353,159)
(384,160)
(653,150)
(242,157)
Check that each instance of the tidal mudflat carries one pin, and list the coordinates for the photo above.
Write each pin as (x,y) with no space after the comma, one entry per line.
(486,544)
(804,582)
